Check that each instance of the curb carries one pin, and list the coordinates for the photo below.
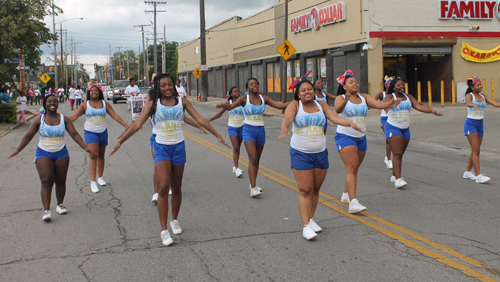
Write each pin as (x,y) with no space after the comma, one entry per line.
(16,126)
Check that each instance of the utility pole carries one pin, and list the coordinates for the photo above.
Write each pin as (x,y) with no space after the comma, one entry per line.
(139,66)
(21,72)
(204,74)
(54,43)
(119,63)
(147,60)
(284,64)
(155,3)
(163,51)
(143,50)
(128,71)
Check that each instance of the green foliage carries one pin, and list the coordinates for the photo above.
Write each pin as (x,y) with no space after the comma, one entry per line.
(8,113)
(22,27)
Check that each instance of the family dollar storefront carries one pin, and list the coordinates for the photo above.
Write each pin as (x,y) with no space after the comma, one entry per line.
(422,42)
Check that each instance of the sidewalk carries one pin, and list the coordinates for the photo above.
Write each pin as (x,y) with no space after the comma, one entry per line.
(30,114)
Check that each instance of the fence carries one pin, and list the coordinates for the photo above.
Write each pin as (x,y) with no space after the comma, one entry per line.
(453,90)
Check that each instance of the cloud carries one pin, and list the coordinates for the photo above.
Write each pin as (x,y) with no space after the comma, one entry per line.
(109,23)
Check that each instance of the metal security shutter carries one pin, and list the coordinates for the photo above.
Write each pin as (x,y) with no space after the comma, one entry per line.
(339,67)
(230,79)
(220,89)
(403,50)
(244,74)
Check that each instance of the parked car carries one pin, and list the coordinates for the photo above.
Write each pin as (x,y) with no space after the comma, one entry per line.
(119,90)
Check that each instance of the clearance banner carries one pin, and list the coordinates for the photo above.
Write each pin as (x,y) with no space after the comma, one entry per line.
(472,54)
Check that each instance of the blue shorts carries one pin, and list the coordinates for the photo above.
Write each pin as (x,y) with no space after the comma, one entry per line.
(40,153)
(235,131)
(152,141)
(303,161)
(326,125)
(175,153)
(472,126)
(254,133)
(390,130)
(383,120)
(92,137)
(342,141)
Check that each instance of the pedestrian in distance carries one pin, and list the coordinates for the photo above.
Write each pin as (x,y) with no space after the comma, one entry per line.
(60,92)
(254,133)
(78,96)
(180,89)
(321,95)
(473,126)
(351,144)
(22,103)
(72,96)
(30,96)
(397,127)
(131,90)
(52,158)
(234,127)
(166,110)
(96,132)
(308,152)
(4,97)
(37,96)
(383,119)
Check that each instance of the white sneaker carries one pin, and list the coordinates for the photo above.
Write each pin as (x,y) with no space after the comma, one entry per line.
(238,172)
(345,198)
(250,187)
(176,228)
(254,192)
(60,209)
(482,179)
(166,239)
(169,192)
(400,183)
(47,216)
(393,179)
(308,232)
(93,187)
(355,206)
(388,163)
(101,182)
(469,175)
(315,227)
(155,198)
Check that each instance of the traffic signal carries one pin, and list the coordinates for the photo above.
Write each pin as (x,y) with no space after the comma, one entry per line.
(50,68)
(95,66)
(105,68)
(81,66)
(149,67)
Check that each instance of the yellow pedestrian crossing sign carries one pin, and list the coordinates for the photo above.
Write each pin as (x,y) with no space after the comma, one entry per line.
(44,78)
(286,50)
(197,73)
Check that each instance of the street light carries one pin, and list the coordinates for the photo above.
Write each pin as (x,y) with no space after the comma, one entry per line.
(55,42)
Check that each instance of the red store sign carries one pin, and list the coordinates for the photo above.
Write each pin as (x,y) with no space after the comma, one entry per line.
(474,10)
(319,17)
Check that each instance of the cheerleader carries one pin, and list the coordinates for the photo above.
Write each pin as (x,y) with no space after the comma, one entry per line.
(383,119)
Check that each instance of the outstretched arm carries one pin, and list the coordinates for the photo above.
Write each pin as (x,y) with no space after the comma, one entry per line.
(218,115)
(290,113)
(134,127)
(422,108)
(78,113)
(333,117)
(202,121)
(491,101)
(373,103)
(341,102)
(28,136)
(114,115)
(242,101)
(330,96)
(70,128)
(275,104)
(194,124)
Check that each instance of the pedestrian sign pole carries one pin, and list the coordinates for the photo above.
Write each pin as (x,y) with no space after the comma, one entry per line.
(197,73)
(44,78)
(286,50)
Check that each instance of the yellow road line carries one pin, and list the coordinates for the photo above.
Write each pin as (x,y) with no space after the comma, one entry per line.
(430,253)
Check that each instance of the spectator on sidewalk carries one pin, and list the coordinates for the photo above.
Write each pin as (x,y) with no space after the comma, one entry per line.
(29,93)
(60,93)
(78,95)
(180,89)
(37,96)
(4,97)
(22,102)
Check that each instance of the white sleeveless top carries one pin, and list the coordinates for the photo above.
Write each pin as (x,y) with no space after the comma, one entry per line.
(472,113)
(236,116)
(96,118)
(52,137)
(355,113)
(308,131)
(168,123)
(383,113)
(254,115)
(399,116)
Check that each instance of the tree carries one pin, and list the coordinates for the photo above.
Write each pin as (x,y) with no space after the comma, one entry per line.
(21,27)
(171,57)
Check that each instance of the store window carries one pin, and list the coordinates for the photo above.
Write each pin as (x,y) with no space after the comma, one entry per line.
(273,77)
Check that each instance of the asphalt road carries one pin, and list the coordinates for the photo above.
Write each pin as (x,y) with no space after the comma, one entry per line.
(438,228)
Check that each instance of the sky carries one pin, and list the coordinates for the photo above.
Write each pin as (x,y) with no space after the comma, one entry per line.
(108,24)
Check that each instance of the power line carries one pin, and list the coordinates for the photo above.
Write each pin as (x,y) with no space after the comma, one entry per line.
(155,11)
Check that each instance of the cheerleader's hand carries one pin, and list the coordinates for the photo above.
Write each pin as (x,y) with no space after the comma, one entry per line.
(13,154)
(203,130)
(355,126)
(436,113)
(118,145)
(284,133)
(223,142)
